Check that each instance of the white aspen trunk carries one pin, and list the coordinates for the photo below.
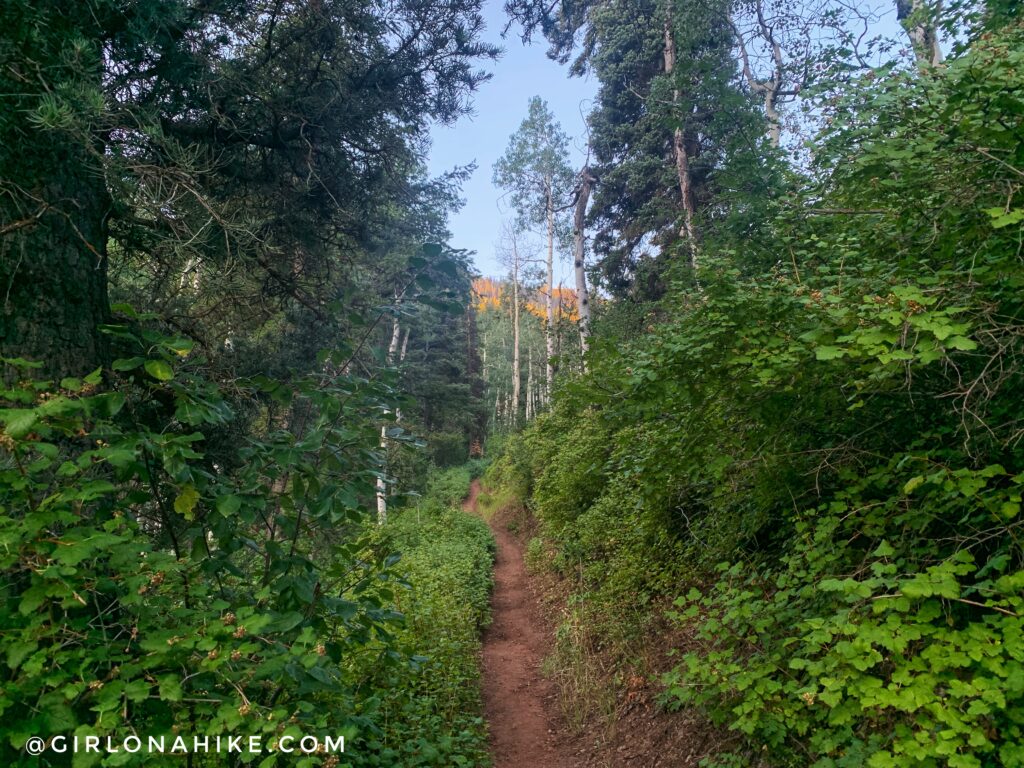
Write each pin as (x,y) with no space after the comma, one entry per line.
(190,274)
(401,359)
(579,253)
(768,88)
(382,502)
(774,119)
(515,335)
(550,330)
(687,230)
(558,325)
(405,346)
(529,384)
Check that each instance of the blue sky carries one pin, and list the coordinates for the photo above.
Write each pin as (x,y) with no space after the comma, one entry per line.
(499,106)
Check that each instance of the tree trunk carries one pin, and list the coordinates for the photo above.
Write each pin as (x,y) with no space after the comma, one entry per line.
(550,329)
(515,335)
(529,385)
(579,252)
(382,502)
(682,156)
(917,19)
(53,265)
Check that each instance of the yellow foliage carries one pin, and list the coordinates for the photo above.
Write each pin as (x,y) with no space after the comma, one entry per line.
(488,293)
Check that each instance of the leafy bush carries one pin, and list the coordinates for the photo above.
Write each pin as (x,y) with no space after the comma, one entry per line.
(155,578)
(827,453)
(147,590)
(430,709)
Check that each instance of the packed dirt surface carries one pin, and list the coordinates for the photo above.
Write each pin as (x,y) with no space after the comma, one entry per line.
(520,704)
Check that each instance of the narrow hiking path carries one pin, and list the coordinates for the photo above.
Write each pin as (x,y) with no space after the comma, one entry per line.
(520,704)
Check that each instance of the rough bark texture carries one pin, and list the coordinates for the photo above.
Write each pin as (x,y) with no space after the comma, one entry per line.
(53,267)
(682,155)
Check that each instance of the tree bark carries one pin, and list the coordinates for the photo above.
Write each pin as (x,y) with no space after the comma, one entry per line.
(53,265)
(550,329)
(917,20)
(382,501)
(515,334)
(579,253)
(682,155)
(529,385)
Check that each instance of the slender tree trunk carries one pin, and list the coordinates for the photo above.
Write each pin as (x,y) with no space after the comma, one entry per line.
(579,253)
(918,20)
(558,326)
(679,149)
(405,346)
(550,328)
(53,265)
(771,112)
(382,502)
(529,384)
(515,334)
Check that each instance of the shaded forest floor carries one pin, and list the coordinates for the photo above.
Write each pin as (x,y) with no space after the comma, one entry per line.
(522,704)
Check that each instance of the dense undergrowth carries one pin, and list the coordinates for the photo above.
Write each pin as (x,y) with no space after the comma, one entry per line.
(819,460)
(430,711)
(165,579)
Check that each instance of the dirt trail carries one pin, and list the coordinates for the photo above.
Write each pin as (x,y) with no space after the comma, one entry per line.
(520,704)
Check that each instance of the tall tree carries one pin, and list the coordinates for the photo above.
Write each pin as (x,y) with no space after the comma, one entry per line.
(54,205)
(536,174)
(511,255)
(255,147)
(579,250)
(656,127)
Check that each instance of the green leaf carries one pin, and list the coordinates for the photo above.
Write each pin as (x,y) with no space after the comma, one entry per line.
(961,343)
(170,688)
(884,549)
(186,501)
(127,364)
(829,353)
(18,422)
(228,505)
(913,483)
(159,370)
(17,651)
(1003,218)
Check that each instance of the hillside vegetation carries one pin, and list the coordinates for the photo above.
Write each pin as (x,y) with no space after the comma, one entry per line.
(810,460)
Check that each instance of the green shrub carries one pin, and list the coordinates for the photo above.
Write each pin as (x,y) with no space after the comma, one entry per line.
(143,590)
(825,458)
(428,707)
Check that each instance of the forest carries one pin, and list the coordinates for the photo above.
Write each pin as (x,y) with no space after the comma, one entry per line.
(291,476)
